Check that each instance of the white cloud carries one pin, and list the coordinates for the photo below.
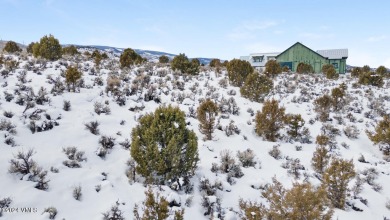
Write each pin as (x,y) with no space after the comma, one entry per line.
(377,38)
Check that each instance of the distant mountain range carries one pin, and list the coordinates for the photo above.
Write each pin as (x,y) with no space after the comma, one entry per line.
(151,55)
(148,54)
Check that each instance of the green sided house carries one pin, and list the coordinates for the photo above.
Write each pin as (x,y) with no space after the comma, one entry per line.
(299,53)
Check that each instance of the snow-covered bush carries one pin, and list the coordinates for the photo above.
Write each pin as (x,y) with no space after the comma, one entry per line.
(100,108)
(6,125)
(66,106)
(93,127)
(4,203)
(74,157)
(77,193)
(351,131)
(231,128)
(246,158)
(275,152)
(52,212)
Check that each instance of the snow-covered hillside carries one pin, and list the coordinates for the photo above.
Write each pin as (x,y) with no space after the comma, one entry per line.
(103,179)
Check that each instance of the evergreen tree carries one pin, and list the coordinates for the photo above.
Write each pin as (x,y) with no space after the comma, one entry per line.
(206,115)
(326,67)
(322,140)
(381,70)
(163,59)
(129,58)
(320,159)
(322,106)
(270,120)
(330,71)
(215,63)
(48,48)
(11,47)
(180,62)
(256,87)
(366,69)
(30,47)
(71,50)
(285,69)
(183,64)
(194,67)
(336,178)
(371,78)
(163,148)
(154,207)
(72,75)
(304,68)
(356,72)
(382,135)
(295,123)
(338,95)
(238,70)
(302,201)
(272,68)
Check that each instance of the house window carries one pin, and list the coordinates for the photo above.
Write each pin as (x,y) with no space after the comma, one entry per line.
(258,59)
(335,65)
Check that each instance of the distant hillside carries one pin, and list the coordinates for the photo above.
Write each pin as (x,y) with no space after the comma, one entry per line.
(148,54)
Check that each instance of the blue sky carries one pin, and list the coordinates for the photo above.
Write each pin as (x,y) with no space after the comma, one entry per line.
(214,28)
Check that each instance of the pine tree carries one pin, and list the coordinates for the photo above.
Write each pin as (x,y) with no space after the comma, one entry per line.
(11,47)
(155,207)
(238,70)
(206,115)
(71,50)
(129,58)
(338,95)
(256,87)
(163,148)
(294,122)
(304,68)
(320,159)
(272,68)
(366,69)
(322,140)
(163,59)
(302,201)
(30,47)
(48,48)
(330,71)
(371,78)
(270,120)
(382,135)
(381,70)
(336,178)
(215,63)
(322,106)
(252,210)
(72,75)
(356,72)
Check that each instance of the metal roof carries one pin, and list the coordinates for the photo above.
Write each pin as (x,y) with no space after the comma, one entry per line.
(334,54)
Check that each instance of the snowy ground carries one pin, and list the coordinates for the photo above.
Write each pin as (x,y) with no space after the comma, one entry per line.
(115,187)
